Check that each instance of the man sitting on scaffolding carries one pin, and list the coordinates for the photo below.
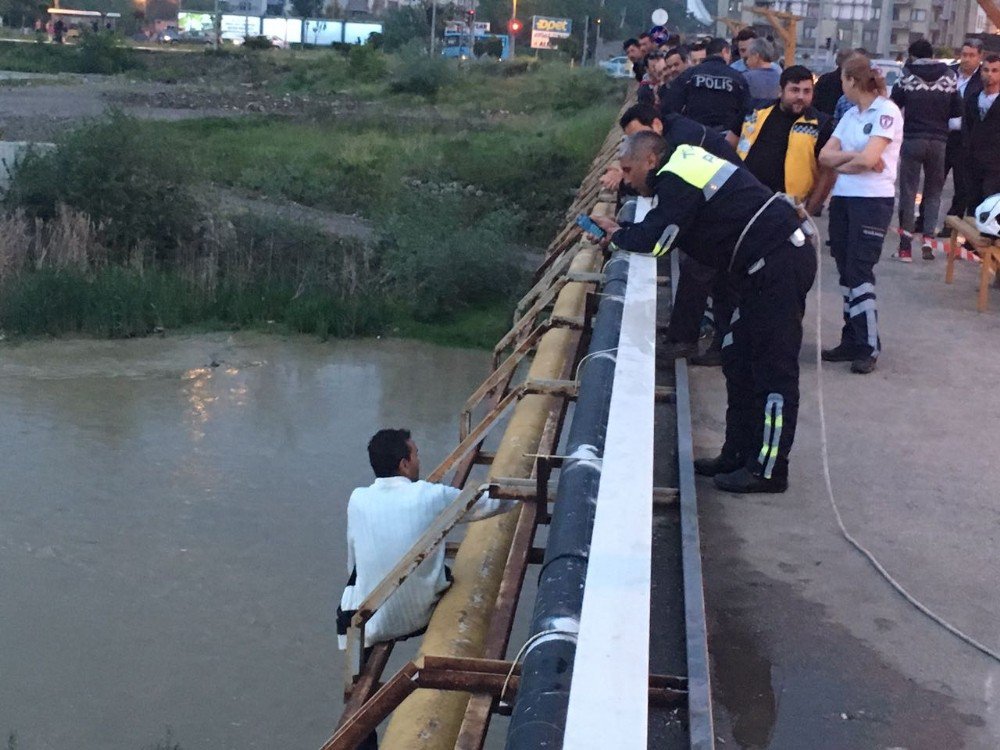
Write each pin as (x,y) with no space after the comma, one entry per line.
(384,520)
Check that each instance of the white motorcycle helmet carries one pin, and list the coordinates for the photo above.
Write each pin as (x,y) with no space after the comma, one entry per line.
(988,216)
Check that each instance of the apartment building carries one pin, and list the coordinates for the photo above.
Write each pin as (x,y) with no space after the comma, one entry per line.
(885,27)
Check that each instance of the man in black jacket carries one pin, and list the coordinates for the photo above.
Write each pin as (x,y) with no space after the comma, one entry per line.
(970,83)
(711,93)
(981,127)
(829,88)
(633,51)
(725,218)
(928,95)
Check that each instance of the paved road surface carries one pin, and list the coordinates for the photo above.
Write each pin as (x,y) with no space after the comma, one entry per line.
(811,648)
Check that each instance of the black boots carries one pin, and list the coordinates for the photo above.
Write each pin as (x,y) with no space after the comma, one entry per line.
(721,464)
(840,353)
(742,481)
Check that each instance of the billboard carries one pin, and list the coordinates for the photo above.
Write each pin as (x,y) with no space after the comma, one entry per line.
(239,26)
(288,29)
(544,29)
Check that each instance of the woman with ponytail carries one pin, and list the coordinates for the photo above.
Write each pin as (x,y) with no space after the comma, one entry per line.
(864,151)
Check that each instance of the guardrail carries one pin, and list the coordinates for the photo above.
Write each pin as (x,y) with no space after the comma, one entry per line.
(462,654)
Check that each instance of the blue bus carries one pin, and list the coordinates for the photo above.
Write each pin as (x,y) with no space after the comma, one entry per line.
(456,44)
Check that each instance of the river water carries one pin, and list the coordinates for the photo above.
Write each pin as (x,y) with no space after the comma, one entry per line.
(172,532)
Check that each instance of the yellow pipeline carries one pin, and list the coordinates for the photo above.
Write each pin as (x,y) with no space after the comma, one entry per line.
(431,719)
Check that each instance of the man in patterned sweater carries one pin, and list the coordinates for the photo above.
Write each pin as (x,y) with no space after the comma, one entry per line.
(928,95)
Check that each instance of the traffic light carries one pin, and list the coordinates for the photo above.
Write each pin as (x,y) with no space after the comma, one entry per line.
(470,15)
(514,25)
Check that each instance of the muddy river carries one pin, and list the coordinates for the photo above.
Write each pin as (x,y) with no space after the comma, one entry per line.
(172,529)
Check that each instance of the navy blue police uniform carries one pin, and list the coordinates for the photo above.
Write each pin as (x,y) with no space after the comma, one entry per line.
(711,93)
(726,219)
(697,281)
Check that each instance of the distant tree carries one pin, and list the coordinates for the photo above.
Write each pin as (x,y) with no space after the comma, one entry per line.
(17,12)
(307,8)
(401,25)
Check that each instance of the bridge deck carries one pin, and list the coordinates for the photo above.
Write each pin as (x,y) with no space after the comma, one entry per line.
(807,641)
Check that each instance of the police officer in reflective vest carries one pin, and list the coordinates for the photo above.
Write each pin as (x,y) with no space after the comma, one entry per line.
(711,93)
(724,217)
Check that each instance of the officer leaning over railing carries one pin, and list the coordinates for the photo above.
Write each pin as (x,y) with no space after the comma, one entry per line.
(724,217)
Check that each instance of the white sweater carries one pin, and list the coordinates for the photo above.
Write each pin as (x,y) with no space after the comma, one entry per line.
(383,522)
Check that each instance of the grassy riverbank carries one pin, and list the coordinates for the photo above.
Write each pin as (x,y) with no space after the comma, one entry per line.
(120,231)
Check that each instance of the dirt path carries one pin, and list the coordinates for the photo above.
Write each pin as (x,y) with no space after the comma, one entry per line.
(38,108)
(340,225)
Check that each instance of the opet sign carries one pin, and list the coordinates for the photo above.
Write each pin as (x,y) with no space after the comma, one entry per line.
(544,29)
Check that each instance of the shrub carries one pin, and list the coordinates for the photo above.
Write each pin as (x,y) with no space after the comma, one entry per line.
(403,25)
(441,258)
(323,73)
(130,187)
(104,53)
(257,43)
(421,75)
(367,64)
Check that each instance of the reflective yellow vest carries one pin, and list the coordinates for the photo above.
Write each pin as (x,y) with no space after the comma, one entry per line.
(800,158)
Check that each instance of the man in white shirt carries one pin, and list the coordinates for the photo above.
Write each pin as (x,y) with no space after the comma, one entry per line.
(384,520)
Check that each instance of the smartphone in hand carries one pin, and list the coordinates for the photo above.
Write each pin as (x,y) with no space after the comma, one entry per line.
(587,225)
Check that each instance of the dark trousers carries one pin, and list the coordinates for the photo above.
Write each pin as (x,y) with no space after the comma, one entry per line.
(760,359)
(857,231)
(693,288)
(982,183)
(696,283)
(956,160)
(920,155)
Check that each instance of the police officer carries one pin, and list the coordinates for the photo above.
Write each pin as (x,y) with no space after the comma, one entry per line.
(724,217)
(696,280)
(711,93)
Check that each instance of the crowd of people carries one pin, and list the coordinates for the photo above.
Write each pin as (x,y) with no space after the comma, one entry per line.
(737,154)
(732,158)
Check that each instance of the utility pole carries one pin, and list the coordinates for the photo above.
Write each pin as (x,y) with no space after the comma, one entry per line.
(511,31)
(217,25)
(434,15)
(597,41)
(586,35)
(819,28)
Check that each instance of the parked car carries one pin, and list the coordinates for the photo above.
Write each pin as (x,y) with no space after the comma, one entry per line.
(892,70)
(180,36)
(617,67)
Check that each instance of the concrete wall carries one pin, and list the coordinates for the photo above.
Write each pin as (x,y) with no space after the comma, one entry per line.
(10,153)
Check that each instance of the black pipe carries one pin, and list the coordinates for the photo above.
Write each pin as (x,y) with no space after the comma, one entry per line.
(539,716)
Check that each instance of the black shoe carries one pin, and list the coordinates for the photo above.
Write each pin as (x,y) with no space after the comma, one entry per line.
(711,358)
(742,481)
(839,353)
(944,233)
(669,350)
(724,463)
(863,365)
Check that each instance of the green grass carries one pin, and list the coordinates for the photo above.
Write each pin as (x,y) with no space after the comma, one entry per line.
(93,54)
(529,162)
(122,303)
(475,328)
(454,194)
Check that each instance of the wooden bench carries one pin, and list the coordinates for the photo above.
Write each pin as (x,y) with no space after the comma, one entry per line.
(988,249)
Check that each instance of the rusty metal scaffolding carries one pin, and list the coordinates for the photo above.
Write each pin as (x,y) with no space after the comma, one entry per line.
(553,316)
